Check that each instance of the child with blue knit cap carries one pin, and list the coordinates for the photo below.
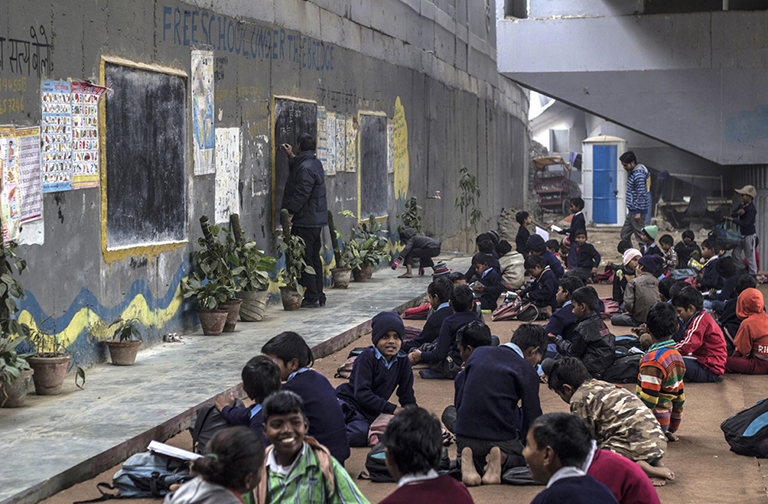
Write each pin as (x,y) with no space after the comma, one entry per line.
(376,373)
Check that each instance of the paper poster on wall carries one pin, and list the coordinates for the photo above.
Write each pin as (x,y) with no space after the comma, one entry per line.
(85,134)
(202,111)
(330,143)
(322,137)
(341,142)
(30,181)
(227,173)
(390,146)
(9,201)
(352,129)
(56,136)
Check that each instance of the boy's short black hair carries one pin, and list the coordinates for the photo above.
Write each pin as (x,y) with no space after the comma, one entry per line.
(461,298)
(553,245)
(503,247)
(474,334)
(581,231)
(530,336)
(306,142)
(577,202)
(623,246)
(283,402)
(567,371)
(664,285)
(485,246)
(481,237)
(287,346)
(744,282)
(414,440)
(661,321)
(687,297)
(710,243)
(521,216)
(667,240)
(689,234)
(480,258)
(571,283)
(586,295)
(676,287)
(442,288)
(567,435)
(628,157)
(532,261)
(261,377)
(456,276)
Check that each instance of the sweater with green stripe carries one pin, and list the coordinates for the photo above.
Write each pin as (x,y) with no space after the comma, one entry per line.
(660,380)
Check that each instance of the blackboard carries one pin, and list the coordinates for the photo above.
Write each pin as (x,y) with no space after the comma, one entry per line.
(146,149)
(292,118)
(373,166)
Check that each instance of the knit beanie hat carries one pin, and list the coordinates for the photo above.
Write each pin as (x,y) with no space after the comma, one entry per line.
(385,322)
(630,254)
(651,263)
(495,237)
(440,269)
(651,231)
(725,267)
(536,243)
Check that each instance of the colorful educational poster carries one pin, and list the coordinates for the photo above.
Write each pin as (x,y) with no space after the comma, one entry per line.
(330,143)
(352,129)
(56,136)
(341,142)
(9,204)
(30,179)
(202,112)
(390,146)
(85,134)
(227,173)
(322,137)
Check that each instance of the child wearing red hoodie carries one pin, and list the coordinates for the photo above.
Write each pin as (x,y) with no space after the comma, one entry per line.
(751,355)
(703,346)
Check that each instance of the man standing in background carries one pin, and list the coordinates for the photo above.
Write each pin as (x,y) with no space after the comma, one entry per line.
(638,197)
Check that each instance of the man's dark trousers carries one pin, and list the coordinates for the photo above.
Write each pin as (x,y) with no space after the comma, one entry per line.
(313,284)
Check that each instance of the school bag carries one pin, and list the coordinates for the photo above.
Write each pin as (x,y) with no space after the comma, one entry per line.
(378,428)
(345,370)
(516,310)
(417,313)
(376,466)
(206,423)
(747,431)
(624,369)
(722,233)
(144,475)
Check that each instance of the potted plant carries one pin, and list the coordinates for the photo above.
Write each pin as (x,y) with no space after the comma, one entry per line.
(341,253)
(209,295)
(292,248)
(125,342)
(372,247)
(50,361)
(14,373)
(251,268)
(410,217)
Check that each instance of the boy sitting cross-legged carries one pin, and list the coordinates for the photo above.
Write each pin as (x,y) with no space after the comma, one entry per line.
(376,373)
(489,419)
(439,294)
(298,468)
(592,341)
(641,293)
(563,321)
(687,249)
(413,446)
(492,286)
(543,291)
(660,380)
(703,346)
(620,421)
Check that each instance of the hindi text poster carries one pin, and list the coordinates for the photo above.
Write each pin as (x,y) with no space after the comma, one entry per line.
(227,173)
(56,136)
(30,176)
(85,134)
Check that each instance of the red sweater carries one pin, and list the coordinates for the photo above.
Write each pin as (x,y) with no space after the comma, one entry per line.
(624,478)
(704,340)
(440,490)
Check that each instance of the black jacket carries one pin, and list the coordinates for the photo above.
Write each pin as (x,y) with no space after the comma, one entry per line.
(414,241)
(593,343)
(304,195)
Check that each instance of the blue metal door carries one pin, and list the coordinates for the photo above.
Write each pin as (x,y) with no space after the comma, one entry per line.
(604,184)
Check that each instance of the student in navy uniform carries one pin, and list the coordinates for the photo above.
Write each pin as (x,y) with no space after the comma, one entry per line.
(445,360)
(521,240)
(563,321)
(492,286)
(744,217)
(726,269)
(650,247)
(543,291)
(687,249)
(484,246)
(294,358)
(587,259)
(377,372)
(577,221)
(439,293)
(537,246)
(708,277)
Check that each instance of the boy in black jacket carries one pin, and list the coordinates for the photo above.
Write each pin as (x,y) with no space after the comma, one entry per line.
(687,249)
(708,277)
(543,291)
(439,293)
(563,321)
(492,286)
(592,342)
(423,247)
(521,239)
(587,258)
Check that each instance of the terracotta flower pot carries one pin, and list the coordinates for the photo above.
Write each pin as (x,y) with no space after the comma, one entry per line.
(362,274)
(123,353)
(341,277)
(49,373)
(254,305)
(233,308)
(291,298)
(212,320)
(15,390)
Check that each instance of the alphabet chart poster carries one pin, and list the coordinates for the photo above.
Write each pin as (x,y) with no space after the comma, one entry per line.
(85,134)
(56,138)
(30,181)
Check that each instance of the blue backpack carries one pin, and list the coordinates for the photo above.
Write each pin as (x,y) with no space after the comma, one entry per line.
(747,431)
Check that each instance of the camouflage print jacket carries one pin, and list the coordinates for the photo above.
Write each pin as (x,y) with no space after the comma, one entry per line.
(619,420)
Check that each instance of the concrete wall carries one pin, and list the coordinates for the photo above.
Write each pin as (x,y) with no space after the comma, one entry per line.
(550,8)
(437,58)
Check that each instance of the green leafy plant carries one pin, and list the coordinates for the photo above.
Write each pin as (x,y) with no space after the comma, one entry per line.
(369,239)
(410,217)
(209,293)
(12,364)
(125,330)
(10,290)
(250,266)
(467,202)
(48,345)
(215,260)
(292,248)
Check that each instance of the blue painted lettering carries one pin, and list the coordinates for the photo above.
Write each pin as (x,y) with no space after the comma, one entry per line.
(202,25)
(210,25)
(274,45)
(331,62)
(282,39)
(303,52)
(253,39)
(166,23)
(222,34)
(231,41)
(187,14)
(176,23)
(194,25)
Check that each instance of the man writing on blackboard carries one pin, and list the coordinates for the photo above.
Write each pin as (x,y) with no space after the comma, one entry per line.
(304,198)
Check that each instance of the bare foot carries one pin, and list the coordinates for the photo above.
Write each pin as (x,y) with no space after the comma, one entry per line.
(492,474)
(658,482)
(658,473)
(469,474)
(405,275)
(672,436)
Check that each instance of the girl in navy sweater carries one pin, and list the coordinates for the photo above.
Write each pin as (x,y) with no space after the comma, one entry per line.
(376,373)
(326,420)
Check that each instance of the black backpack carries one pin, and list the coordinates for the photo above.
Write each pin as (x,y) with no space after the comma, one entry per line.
(624,369)
(747,431)
(376,466)
(206,423)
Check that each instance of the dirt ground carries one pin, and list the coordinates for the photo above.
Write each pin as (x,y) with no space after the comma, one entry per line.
(706,471)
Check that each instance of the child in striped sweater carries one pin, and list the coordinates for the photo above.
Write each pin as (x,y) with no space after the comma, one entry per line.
(660,381)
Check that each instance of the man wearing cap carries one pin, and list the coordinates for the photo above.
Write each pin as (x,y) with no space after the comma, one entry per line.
(744,217)
(638,197)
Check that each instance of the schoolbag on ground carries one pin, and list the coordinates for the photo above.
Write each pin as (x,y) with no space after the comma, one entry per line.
(516,310)
(345,370)
(206,423)
(376,466)
(624,369)
(747,431)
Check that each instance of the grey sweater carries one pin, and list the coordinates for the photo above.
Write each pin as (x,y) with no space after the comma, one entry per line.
(199,491)
(414,241)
